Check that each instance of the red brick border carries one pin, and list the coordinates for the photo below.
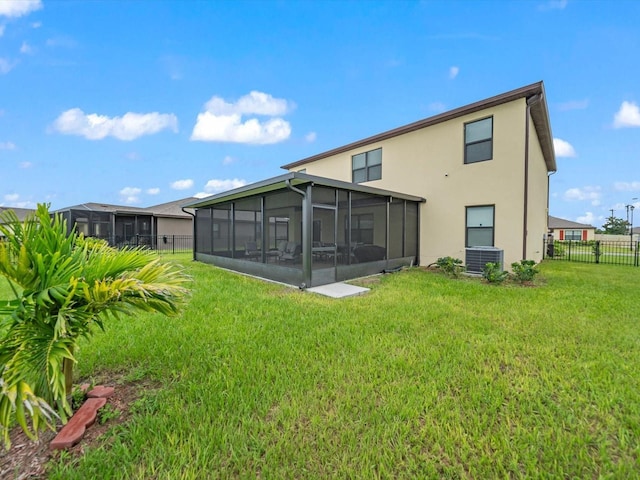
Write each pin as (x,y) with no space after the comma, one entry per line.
(86,415)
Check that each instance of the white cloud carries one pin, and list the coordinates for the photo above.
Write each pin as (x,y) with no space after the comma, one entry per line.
(130,191)
(627,186)
(563,148)
(589,218)
(182,184)
(627,116)
(230,128)
(36,24)
(26,165)
(26,49)
(201,195)
(7,146)
(222,121)
(228,160)
(216,186)
(553,5)
(153,191)
(453,72)
(255,103)
(12,200)
(311,137)
(128,127)
(1,30)
(591,194)
(18,8)
(573,105)
(130,195)
(6,66)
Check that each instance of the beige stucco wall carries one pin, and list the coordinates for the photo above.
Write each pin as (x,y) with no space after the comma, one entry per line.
(538,194)
(174,226)
(430,163)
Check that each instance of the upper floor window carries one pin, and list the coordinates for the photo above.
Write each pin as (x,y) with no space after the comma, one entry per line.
(367,166)
(478,140)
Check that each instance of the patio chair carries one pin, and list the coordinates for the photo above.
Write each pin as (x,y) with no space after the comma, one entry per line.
(292,252)
(277,252)
(251,250)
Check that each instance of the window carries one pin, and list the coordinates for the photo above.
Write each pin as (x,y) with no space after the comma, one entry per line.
(367,166)
(478,141)
(480,226)
(573,234)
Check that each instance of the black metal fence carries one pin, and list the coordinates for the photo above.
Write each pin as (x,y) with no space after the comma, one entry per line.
(594,251)
(160,243)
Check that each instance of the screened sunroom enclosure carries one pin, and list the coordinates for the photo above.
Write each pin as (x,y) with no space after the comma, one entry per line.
(307,231)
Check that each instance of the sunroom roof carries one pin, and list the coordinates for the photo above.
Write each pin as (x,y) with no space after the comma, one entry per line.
(294,179)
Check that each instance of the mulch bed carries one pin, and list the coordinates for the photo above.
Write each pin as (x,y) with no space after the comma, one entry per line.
(27,459)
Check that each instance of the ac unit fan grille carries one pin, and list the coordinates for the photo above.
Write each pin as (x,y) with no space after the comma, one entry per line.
(478,257)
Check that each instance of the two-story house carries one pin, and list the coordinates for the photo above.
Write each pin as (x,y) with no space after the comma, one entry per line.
(476,176)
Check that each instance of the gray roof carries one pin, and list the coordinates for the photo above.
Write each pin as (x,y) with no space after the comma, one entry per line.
(555,222)
(21,213)
(171,209)
(168,209)
(534,94)
(294,179)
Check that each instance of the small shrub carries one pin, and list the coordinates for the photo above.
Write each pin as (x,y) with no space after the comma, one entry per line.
(78,396)
(558,249)
(524,271)
(492,273)
(450,266)
(106,413)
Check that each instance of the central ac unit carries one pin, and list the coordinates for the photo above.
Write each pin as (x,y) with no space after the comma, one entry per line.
(478,257)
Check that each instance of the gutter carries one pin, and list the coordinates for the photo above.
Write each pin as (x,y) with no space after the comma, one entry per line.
(194,231)
(525,217)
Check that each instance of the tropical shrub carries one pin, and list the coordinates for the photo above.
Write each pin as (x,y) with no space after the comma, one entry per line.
(493,273)
(64,286)
(450,266)
(559,249)
(524,271)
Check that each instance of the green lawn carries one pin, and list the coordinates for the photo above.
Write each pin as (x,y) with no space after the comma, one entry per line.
(423,377)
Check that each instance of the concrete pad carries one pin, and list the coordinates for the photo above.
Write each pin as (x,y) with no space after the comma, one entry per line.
(338,290)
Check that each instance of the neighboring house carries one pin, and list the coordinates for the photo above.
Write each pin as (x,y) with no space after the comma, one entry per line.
(482,168)
(562,229)
(124,225)
(21,213)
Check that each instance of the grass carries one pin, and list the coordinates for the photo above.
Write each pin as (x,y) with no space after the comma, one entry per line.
(423,377)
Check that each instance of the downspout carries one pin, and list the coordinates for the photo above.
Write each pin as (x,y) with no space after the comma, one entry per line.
(306,241)
(548,193)
(287,182)
(525,219)
(194,232)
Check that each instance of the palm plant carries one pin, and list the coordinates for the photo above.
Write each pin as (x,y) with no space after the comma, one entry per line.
(64,286)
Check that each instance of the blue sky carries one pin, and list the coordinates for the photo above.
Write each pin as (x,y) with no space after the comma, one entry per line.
(144,102)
